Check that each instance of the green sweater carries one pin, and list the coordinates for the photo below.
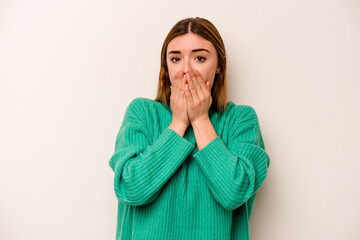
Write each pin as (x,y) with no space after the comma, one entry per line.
(168,189)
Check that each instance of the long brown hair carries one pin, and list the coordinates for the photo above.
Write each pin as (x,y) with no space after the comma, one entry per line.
(205,29)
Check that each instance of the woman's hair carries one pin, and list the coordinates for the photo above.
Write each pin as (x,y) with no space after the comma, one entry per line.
(208,31)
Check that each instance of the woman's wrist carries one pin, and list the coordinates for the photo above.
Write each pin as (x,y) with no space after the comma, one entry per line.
(179,127)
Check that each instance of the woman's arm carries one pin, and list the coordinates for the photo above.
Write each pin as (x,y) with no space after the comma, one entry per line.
(143,167)
(236,171)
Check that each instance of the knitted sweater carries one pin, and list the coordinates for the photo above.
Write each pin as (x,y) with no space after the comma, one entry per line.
(168,189)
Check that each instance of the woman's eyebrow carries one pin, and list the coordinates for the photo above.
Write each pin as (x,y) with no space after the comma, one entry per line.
(195,50)
(200,49)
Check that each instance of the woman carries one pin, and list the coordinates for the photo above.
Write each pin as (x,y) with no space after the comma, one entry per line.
(188,164)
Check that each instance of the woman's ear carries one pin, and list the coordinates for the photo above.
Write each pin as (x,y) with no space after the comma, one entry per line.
(218,70)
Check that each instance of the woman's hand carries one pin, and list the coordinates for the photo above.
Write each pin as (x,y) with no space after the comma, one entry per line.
(198,96)
(178,101)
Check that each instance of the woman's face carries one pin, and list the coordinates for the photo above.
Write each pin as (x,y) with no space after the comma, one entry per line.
(190,51)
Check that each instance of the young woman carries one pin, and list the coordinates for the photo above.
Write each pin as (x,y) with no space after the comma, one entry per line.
(189,163)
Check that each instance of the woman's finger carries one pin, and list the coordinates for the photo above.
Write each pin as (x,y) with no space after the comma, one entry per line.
(188,96)
(201,83)
(192,87)
(197,82)
(177,79)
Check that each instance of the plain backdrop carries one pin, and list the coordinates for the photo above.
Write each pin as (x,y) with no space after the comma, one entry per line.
(68,70)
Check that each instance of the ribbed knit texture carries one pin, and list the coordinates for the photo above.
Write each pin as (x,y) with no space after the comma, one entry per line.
(168,189)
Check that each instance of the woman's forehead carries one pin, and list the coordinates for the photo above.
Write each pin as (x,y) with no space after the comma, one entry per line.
(189,42)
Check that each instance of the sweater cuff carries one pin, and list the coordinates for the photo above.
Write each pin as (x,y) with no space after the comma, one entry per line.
(173,145)
(208,157)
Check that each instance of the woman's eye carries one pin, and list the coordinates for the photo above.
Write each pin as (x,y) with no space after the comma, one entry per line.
(174,59)
(200,58)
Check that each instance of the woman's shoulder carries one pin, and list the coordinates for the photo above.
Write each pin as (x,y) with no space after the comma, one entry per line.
(238,110)
(241,114)
(145,102)
(137,101)
(144,105)
(135,105)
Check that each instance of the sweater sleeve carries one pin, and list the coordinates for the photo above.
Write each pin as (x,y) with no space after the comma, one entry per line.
(141,165)
(235,172)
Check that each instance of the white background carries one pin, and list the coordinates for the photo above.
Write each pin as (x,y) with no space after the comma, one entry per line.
(68,70)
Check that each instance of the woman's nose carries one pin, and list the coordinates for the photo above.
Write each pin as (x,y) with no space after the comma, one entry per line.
(186,66)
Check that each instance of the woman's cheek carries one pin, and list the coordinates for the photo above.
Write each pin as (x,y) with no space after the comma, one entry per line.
(172,75)
(206,77)
(205,73)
